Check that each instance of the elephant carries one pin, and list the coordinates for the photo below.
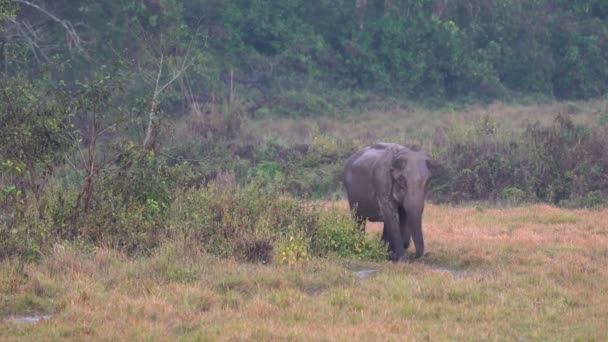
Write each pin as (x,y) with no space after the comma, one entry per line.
(387,183)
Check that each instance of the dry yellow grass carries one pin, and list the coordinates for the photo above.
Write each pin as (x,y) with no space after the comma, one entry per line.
(418,125)
(529,273)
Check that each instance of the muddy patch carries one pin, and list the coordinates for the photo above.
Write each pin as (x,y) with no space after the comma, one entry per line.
(455,272)
(361,271)
(365,273)
(28,319)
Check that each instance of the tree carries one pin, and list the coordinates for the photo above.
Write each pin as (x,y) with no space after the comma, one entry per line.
(34,131)
(159,88)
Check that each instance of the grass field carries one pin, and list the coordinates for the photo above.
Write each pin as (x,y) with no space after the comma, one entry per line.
(419,125)
(529,273)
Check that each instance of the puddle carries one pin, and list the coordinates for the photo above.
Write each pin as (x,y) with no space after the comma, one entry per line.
(365,273)
(28,319)
(456,273)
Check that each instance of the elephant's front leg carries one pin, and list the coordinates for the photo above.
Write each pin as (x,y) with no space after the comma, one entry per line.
(392,232)
(403,227)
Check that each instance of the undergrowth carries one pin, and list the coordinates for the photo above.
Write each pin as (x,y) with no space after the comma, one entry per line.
(251,224)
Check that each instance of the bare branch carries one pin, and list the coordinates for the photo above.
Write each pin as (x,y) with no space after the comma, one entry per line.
(151,114)
(160,72)
(158,89)
(177,73)
(31,37)
(73,39)
(112,126)
(77,143)
(182,159)
(73,165)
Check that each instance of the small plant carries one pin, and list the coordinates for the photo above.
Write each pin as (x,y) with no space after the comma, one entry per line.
(293,249)
(338,234)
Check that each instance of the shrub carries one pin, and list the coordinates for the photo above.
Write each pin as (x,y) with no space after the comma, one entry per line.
(35,131)
(338,234)
(246,224)
(25,231)
(566,161)
(293,249)
(258,225)
(561,164)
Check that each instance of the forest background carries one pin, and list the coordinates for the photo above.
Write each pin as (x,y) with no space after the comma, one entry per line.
(119,119)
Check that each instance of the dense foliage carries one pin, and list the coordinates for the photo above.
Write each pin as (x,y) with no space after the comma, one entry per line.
(127,123)
(564,164)
(294,56)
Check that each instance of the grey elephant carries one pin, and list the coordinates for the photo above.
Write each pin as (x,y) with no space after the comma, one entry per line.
(387,183)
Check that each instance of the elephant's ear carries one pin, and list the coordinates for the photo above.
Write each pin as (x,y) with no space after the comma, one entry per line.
(435,167)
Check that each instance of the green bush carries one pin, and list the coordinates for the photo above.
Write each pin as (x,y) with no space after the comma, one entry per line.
(245,224)
(24,231)
(561,164)
(339,235)
(258,225)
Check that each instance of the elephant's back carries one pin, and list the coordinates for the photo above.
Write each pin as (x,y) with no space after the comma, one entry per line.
(362,173)
(363,164)
(370,158)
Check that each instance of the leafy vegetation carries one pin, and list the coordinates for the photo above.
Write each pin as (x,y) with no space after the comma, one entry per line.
(78,168)
(320,57)
(561,164)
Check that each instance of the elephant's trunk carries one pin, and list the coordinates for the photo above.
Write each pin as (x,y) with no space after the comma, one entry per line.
(414,210)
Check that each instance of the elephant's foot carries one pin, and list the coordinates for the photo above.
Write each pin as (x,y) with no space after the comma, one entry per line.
(417,256)
(398,258)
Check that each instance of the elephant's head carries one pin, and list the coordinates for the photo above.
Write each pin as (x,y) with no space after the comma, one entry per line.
(410,172)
